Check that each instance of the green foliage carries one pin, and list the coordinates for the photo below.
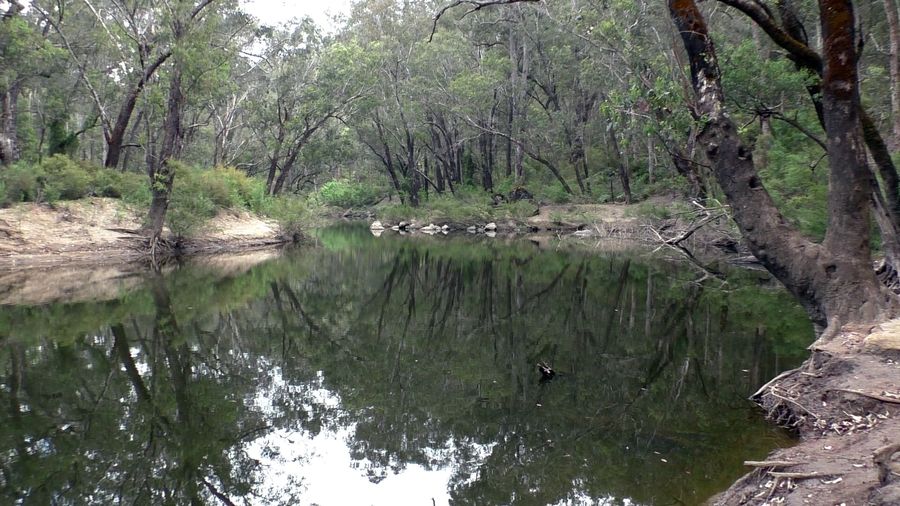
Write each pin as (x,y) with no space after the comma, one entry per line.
(132,188)
(60,178)
(65,179)
(397,212)
(21,183)
(346,194)
(292,213)
(654,211)
(554,193)
(799,189)
(465,207)
(190,205)
(198,194)
(518,210)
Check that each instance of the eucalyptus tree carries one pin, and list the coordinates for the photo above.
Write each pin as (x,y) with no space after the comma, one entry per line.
(126,39)
(24,54)
(391,122)
(834,279)
(195,60)
(303,82)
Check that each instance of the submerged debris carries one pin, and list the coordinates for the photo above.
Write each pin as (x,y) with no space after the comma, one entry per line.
(547,372)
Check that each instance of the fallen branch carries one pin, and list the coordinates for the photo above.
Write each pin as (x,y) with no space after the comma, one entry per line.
(773,393)
(695,227)
(780,377)
(771,463)
(802,475)
(877,397)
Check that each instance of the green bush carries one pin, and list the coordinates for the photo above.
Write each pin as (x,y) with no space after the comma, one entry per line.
(652,210)
(22,183)
(131,188)
(519,210)
(554,193)
(199,193)
(399,212)
(60,178)
(191,202)
(450,208)
(65,179)
(346,194)
(290,212)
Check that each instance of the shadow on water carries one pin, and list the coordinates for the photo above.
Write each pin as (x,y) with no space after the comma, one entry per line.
(390,370)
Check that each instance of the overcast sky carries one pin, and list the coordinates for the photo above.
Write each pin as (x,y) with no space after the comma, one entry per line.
(279,11)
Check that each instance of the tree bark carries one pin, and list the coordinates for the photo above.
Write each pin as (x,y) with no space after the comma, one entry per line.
(834,281)
(162,177)
(9,114)
(116,135)
(9,104)
(890,10)
(792,37)
(623,170)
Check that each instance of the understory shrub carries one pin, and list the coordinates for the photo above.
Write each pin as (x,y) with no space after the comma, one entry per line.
(64,179)
(60,178)
(21,183)
(345,193)
(290,212)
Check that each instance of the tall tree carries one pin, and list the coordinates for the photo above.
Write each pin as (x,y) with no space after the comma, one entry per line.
(24,54)
(834,280)
(162,174)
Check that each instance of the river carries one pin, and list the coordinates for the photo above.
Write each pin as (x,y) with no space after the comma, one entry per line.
(393,371)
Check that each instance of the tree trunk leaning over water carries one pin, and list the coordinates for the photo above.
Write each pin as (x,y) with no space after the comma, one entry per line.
(833,280)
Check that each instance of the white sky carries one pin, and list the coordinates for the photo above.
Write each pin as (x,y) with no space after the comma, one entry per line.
(278,11)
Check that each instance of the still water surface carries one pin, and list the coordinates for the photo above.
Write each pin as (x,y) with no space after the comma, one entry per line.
(395,371)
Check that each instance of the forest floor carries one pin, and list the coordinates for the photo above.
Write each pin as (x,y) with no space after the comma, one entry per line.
(104,231)
(844,403)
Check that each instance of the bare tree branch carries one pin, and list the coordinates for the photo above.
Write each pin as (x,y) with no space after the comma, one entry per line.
(476,5)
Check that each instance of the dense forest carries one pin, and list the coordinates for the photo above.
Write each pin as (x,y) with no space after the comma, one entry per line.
(180,106)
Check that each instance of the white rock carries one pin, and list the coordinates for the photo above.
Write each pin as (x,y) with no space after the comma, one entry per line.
(490,226)
(376,226)
(472,230)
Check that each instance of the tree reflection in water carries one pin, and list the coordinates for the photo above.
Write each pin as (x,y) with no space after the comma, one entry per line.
(416,359)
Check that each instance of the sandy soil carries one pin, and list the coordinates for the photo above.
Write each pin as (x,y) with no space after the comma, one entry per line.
(104,231)
(845,404)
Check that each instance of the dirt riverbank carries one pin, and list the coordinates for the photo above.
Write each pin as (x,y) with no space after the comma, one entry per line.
(104,231)
(844,404)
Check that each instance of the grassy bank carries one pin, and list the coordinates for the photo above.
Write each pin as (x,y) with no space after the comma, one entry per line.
(198,195)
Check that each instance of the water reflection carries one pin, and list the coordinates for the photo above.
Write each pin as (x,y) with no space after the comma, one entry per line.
(380,371)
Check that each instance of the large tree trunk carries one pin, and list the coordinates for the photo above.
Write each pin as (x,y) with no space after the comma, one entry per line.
(162,177)
(791,36)
(834,280)
(9,104)
(116,135)
(623,169)
(890,10)
(9,114)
